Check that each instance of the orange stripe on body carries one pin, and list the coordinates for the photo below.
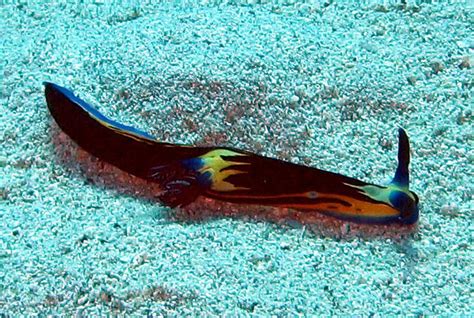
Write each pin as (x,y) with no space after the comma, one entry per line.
(356,207)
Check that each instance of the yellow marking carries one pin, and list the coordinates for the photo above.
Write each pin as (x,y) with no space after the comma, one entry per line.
(214,163)
(381,194)
(359,207)
(139,137)
(125,132)
(355,208)
(133,136)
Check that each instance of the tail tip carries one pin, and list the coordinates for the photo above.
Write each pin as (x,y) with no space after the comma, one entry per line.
(402,176)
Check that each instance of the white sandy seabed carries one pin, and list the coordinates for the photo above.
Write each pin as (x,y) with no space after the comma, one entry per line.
(323,84)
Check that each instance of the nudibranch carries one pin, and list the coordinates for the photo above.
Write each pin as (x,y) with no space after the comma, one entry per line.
(186,172)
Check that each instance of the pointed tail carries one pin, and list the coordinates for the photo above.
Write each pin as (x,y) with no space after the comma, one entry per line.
(401,197)
(402,174)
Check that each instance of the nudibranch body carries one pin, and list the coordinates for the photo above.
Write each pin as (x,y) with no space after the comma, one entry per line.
(232,175)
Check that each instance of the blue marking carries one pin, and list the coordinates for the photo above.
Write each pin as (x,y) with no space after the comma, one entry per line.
(402,175)
(193,164)
(204,179)
(408,208)
(95,113)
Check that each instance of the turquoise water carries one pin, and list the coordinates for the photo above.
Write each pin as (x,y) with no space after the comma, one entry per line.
(318,83)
